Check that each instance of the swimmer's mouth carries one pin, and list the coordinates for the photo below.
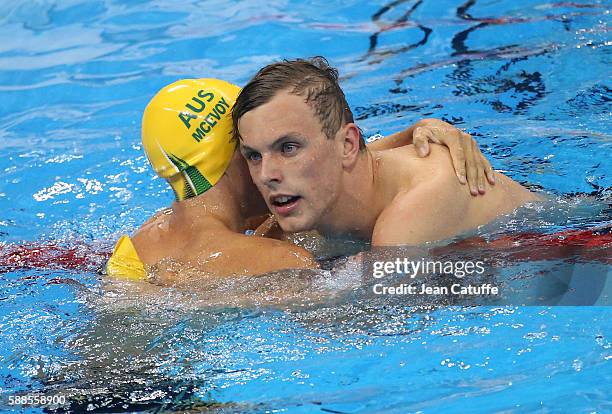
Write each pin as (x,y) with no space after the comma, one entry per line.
(284,205)
(283,200)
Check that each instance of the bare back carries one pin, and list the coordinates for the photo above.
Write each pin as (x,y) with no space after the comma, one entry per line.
(173,248)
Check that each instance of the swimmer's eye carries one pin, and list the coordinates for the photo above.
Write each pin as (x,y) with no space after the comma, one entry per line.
(253,156)
(289,148)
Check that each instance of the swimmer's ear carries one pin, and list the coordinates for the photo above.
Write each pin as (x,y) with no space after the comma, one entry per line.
(351,138)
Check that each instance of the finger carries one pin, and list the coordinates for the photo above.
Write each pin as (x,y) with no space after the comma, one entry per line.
(472,179)
(486,165)
(437,135)
(479,168)
(465,149)
(472,173)
(488,170)
(456,143)
(481,179)
(420,139)
(458,158)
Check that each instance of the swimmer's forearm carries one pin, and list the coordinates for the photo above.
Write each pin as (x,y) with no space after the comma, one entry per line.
(401,138)
(395,140)
(270,228)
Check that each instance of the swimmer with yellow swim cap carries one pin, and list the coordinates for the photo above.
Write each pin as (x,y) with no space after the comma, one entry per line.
(186,135)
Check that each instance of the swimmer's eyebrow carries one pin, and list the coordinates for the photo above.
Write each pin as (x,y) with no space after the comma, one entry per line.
(277,142)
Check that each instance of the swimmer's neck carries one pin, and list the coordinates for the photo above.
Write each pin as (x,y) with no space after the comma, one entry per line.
(360,201)
(219,206)
(230,203)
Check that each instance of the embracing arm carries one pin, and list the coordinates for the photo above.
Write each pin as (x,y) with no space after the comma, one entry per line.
(231,255)
(258,255)
(397,139)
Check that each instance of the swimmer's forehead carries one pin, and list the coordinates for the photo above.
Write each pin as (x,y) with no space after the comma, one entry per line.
(284,115)
(271,142)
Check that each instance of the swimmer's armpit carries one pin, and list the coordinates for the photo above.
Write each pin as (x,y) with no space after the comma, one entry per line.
(471,166)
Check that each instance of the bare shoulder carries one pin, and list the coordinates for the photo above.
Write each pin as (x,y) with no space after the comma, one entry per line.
(153,239)
(405,166)
(429,211)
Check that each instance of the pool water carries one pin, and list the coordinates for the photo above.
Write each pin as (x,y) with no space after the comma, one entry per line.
(530,80)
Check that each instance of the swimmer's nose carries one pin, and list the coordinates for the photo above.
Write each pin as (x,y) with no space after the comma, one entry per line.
(270,172)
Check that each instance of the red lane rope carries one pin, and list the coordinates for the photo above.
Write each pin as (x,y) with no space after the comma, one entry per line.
(592,244)
(600,237)
(50,256)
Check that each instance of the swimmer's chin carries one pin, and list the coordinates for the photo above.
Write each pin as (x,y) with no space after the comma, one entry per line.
(293,224)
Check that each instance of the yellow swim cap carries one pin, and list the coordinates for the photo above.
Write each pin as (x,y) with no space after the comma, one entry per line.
(186,133)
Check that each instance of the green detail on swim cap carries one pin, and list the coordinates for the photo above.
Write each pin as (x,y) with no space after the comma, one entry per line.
(199,181)
(178,163)
(188,189)
(195,182)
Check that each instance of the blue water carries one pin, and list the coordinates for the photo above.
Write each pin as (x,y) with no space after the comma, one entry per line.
(530,80)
